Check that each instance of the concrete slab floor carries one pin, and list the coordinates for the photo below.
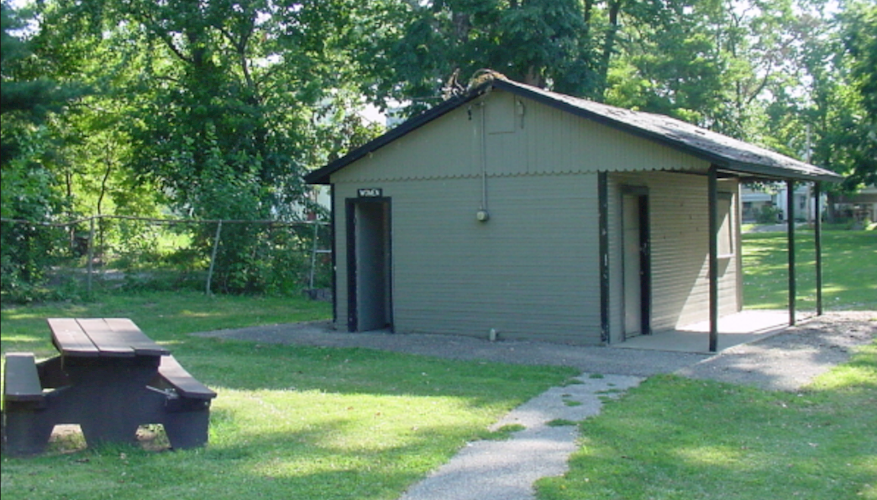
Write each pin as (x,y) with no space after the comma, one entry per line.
(736,329)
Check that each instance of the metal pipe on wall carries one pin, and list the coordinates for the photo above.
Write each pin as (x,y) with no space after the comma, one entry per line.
(483,212)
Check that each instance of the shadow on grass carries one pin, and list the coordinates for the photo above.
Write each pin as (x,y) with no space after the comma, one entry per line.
(299,422)
(678,438)
(281,464)
(242,365)
(849,283)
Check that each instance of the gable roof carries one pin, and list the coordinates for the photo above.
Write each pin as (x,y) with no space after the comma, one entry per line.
(729,154)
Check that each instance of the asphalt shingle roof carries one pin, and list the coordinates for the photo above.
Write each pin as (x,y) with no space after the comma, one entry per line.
(725,152)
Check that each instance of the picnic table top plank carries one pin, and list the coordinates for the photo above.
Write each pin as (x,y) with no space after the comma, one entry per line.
(105,339)
(70,339)
(126,332)
(102,337)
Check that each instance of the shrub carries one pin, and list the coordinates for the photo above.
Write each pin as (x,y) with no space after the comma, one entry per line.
(769,214)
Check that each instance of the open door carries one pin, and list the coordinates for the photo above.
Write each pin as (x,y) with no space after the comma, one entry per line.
(369,265)
(636,270)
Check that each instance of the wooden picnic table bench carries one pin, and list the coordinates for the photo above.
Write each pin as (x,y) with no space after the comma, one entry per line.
(109,378)
(22,381)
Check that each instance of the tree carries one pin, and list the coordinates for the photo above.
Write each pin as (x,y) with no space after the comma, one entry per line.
(217,105)
(30,189)
(25,99)
(423,50)
(859,32)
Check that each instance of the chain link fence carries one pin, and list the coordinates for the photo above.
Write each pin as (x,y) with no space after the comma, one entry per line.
(109,252)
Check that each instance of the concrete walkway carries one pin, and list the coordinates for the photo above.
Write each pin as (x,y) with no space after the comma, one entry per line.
(506,470)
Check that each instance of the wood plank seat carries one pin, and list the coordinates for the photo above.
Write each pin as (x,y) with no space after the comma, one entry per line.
(171,372)
(26,422)
(22,381)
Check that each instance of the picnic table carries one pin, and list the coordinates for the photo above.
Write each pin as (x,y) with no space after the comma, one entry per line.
(110,378)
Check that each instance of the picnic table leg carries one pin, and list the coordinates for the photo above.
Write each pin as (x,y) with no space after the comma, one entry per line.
(186,423)
(109,430)
(51,372)
(26,431)
(110,403)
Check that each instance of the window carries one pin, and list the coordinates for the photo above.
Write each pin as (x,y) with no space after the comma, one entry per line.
(725,224)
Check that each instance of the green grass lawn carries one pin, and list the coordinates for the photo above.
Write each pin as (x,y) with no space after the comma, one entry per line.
(289,422)
(317,423)
(675,438)
(849,270)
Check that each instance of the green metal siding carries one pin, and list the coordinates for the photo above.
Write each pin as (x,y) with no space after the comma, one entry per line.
(679,250)
(532,270)
(529,272)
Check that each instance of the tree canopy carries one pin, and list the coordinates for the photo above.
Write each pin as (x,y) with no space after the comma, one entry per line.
(215,109)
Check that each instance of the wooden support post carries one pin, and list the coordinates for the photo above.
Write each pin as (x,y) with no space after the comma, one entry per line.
(603,201)
(334,236)
(712,188)
(817,240)
(314,249)
(790,219)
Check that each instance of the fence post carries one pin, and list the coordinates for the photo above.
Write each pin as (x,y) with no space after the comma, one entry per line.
(213,256)
(89,263)
(313,257)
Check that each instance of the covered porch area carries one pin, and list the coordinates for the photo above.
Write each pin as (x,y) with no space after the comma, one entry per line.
(736,329)
(735,326)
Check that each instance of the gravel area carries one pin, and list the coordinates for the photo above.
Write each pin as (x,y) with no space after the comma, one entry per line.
(793,357)
(507,469)
(591,359)
(784,361)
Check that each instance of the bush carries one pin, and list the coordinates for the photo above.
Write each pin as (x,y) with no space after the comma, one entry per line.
(29,252)
(769,214)
(264,259)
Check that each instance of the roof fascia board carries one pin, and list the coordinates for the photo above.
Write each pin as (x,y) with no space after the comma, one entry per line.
(779,173)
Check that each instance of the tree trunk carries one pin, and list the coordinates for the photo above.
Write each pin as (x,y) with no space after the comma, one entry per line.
(534,78)
(608,47)
(830,209)
(462,26)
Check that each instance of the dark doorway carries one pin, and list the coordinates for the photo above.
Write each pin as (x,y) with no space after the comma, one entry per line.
(369,264)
